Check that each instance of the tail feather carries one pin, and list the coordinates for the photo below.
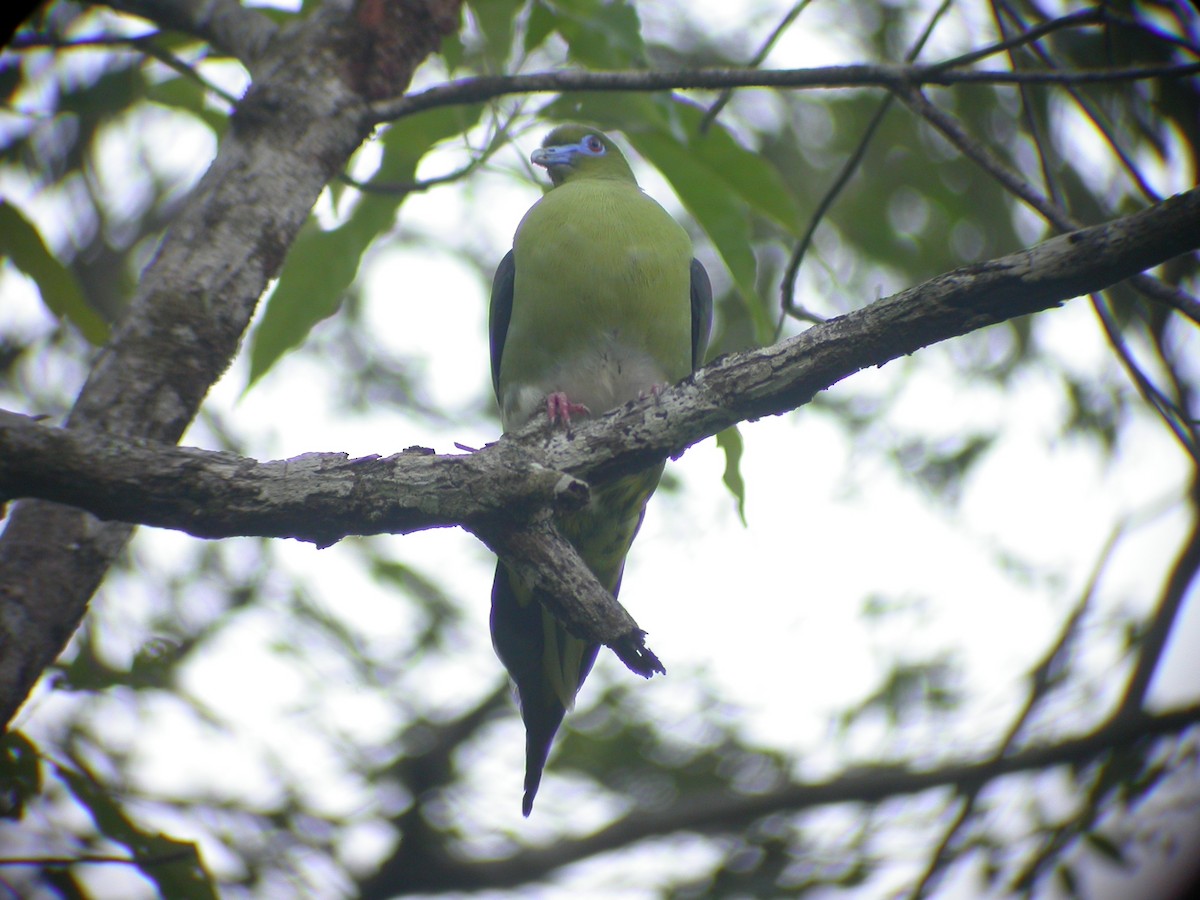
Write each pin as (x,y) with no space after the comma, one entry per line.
(547,678)
(547,663)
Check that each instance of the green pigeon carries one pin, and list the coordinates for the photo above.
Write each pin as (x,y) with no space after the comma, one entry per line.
(599,302)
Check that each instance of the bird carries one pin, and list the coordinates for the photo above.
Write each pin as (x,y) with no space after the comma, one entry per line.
(600,301)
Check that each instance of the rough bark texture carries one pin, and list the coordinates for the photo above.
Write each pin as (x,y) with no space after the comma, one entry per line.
(501,493)
(315,497)
(306,112)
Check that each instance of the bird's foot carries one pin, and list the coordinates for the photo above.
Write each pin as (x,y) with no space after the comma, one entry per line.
(559,408)
(653,391)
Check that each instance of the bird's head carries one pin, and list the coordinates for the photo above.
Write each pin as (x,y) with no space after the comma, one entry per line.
(581,151)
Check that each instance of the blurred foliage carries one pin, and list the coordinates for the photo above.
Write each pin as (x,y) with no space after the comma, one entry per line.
(401,805)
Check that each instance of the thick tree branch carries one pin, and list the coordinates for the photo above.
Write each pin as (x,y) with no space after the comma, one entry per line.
(322,497)
(499,492)
(316,497)
(293,131)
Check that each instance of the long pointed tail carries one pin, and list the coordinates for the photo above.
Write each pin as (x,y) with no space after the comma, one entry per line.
(547,664)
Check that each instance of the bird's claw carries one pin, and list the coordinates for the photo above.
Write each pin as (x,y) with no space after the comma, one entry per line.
(559,408)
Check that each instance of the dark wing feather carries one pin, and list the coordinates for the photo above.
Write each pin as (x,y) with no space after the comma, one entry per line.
(701,313)
(501,311)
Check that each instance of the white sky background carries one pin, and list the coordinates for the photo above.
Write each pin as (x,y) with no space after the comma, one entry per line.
(770,613)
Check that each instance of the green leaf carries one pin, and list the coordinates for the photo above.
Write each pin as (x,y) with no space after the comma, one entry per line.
(60,290)
(542,23)
(322,265)
(600,34)
(747,173)
(20,774)
(173,866)
(495,19)
(716,209)
(452,52)
(1067,879)
(107,97)
(730,441)
(1106,847)
(189,96)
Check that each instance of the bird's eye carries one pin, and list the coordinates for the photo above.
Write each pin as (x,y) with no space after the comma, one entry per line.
(593,145)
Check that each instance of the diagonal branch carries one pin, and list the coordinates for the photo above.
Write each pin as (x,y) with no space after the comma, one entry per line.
(538,555)
(1012,182)
(501,493)
(1153,644)
(323,497)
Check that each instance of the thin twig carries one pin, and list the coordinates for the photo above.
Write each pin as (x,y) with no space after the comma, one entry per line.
(1008,44)
(983,156)
(403,188)
(87,859)
(1044,677)
(1094,113)
(143,43)
(1174,418)
(488,87)
(767,45)
(1031,120)
(787,288)
(1154,643)
(497,139)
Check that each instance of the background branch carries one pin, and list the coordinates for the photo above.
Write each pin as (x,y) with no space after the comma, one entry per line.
(724,812)
(490,87)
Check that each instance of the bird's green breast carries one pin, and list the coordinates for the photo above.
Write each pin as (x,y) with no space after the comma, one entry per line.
(601,294)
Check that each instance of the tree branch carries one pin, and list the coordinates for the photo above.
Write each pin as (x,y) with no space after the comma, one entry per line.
(315,497)
(723,812)
(293,131)
(229,27)
(502,492)
(892,77)
(538,555)
(323,497)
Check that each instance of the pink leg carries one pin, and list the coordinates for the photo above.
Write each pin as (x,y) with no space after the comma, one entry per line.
(558,407)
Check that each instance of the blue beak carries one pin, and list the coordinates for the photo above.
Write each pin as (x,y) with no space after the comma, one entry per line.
(562,155)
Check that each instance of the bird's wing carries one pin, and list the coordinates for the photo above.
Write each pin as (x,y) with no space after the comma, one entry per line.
(702,305)
(501,311)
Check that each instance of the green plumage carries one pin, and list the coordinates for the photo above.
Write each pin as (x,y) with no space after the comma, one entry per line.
(598,302)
